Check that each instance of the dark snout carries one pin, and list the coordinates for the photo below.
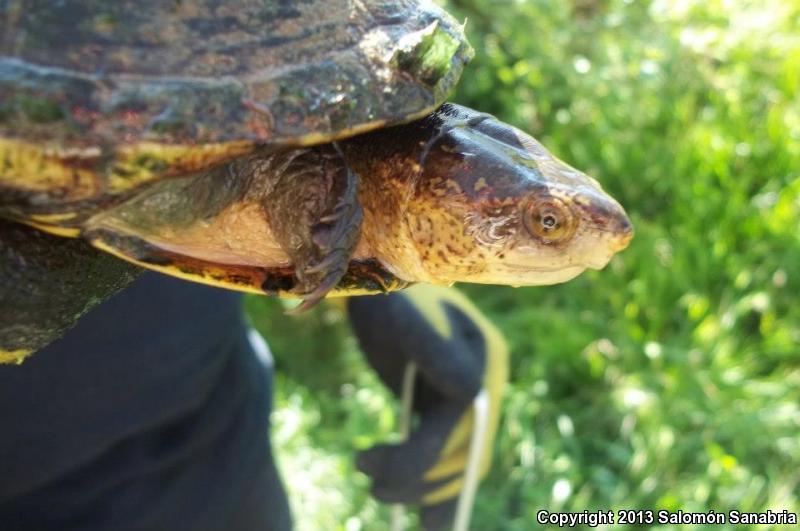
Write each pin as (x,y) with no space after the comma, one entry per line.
(605,214)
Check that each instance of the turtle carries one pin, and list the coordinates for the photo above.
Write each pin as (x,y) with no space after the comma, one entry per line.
(286,148)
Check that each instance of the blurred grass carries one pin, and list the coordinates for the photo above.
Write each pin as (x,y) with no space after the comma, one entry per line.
(672,378)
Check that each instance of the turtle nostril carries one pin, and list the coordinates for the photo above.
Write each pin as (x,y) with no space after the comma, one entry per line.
(623,233)
(625,226)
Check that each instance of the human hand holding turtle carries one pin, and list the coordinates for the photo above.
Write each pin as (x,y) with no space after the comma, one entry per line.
(457,353)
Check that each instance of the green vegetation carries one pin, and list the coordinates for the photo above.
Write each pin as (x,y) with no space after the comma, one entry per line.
(672,378)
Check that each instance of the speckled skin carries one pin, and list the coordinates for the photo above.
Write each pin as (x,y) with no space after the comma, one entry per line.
(277,181)
(457,196)
(98,100)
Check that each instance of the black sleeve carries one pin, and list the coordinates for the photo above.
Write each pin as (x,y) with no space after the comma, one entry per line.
(392,332)
(150,414)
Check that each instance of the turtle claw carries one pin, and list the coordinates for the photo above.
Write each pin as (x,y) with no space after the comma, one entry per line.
(334,266)
(304,306)
(317,191)
(312,299)
(327,262)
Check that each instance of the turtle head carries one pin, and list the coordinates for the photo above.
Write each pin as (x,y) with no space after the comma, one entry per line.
(494,206)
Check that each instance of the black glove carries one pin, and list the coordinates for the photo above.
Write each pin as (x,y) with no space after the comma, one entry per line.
(457,352)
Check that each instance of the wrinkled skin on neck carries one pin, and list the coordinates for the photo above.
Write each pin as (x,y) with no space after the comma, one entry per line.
(460,196)
(454,197)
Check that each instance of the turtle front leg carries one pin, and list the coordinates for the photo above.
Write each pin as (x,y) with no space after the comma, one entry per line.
(313,210)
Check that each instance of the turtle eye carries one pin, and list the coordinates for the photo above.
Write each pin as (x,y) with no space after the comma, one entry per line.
(550,220)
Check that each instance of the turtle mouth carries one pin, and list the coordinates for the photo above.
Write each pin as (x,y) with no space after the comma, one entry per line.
(526,275)
(534,269)
(622,236)
(556,275)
